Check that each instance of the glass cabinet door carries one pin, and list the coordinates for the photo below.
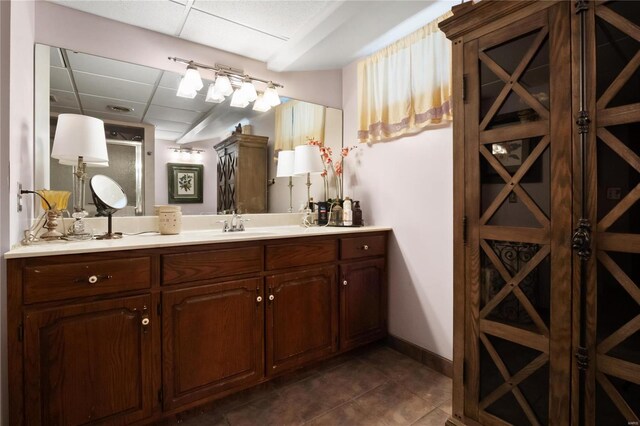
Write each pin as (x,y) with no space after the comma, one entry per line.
(613,395)
(518,211)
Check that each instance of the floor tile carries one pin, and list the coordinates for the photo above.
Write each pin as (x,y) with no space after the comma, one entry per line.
(436,417)
(267,411)
(349,414)
(446,406)
(393,404)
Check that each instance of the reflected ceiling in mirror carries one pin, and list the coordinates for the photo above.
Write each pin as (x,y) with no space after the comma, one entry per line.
(142,99)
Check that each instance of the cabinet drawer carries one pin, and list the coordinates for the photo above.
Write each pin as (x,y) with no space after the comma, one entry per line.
(206,265)
(365,246)
(68,280)
(283,256)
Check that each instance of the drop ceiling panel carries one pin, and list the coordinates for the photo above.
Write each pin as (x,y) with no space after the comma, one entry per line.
(55,58)
(64,99)
(60,80)
(64,110)
(168,98)
(167,136)
(112,68)
(171,126)
(97,85)
(98,103)
(172,114)
(219,33)
(106,116)
(278,18)
(170,80)
(157,15)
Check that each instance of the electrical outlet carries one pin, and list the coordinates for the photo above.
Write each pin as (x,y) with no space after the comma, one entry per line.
(19,197)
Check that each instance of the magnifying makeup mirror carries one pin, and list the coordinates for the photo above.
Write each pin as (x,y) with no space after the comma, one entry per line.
(108,197)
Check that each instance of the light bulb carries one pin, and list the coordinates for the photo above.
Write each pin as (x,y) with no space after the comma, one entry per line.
(238,100)
(192,76)
(185,90)
(249,90)
(223,85)
(261,104)
(213,95)
(271,95)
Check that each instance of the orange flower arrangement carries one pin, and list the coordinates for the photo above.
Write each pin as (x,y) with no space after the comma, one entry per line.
(337,167)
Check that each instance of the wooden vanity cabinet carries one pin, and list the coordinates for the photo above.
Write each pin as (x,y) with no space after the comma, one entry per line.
(363,289)
(138,336)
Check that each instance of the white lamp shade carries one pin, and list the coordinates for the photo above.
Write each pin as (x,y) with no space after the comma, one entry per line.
(223,85)
(185,90)
(238,100)
(271,96)
(192,78)
(286,161)
(307,160)
(249,91)
(80,136)
(213,95)
(261,105)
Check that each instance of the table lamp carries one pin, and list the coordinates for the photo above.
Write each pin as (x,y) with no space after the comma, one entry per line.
(285,169)
(307,160)
(80,140)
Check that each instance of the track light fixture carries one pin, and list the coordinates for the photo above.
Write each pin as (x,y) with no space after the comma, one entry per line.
(227,81)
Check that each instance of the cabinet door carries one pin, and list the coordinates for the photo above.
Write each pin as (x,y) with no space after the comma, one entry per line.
(302,318)
(227,168)
(518,208)
(612,391)
(212,339)
(363,303)
(89,363)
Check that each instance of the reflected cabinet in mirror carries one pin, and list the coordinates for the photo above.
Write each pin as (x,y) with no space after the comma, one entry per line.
(148,126)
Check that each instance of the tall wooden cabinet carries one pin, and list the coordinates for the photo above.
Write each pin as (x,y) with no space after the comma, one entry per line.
(242,174)
(547,183)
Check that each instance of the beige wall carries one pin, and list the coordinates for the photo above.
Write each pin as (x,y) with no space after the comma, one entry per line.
(407,184)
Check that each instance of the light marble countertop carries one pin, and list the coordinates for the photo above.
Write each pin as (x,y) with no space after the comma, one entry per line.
(185,238)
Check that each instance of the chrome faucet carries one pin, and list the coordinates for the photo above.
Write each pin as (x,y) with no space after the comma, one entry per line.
(237,223)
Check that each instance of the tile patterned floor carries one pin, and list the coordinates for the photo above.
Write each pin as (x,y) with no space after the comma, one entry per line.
(373,386)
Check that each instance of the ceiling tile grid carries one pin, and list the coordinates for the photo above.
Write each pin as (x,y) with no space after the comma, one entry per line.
(210,30)
(279,18)
(64,99)
(102,66)
(101,104)
(157,15)
(99,85)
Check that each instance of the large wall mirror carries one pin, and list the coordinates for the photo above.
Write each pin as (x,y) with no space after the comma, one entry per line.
(149,129)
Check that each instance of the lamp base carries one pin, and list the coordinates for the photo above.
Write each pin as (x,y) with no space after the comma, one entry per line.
(110,236)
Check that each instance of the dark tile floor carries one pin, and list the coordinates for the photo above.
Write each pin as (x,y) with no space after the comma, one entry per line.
(372,386)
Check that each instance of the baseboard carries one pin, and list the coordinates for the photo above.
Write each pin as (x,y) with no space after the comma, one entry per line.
(423,356)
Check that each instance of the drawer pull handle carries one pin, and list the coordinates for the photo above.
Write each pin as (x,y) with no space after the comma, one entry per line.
(271,297)
(93,278)
(365,247)
(259,299)
(344,282)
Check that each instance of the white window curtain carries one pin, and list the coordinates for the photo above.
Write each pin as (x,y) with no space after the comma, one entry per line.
(298,121)
(405,87)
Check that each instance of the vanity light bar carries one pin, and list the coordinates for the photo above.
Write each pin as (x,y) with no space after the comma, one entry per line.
(224,69)
(187,150)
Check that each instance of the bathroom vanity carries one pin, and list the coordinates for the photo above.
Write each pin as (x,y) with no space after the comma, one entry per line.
(137,330)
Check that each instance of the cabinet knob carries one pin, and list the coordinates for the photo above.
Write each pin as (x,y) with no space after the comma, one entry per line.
(259,299)
(271,297)
(365,247)
(93,279)
(145,321)
(344,282)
